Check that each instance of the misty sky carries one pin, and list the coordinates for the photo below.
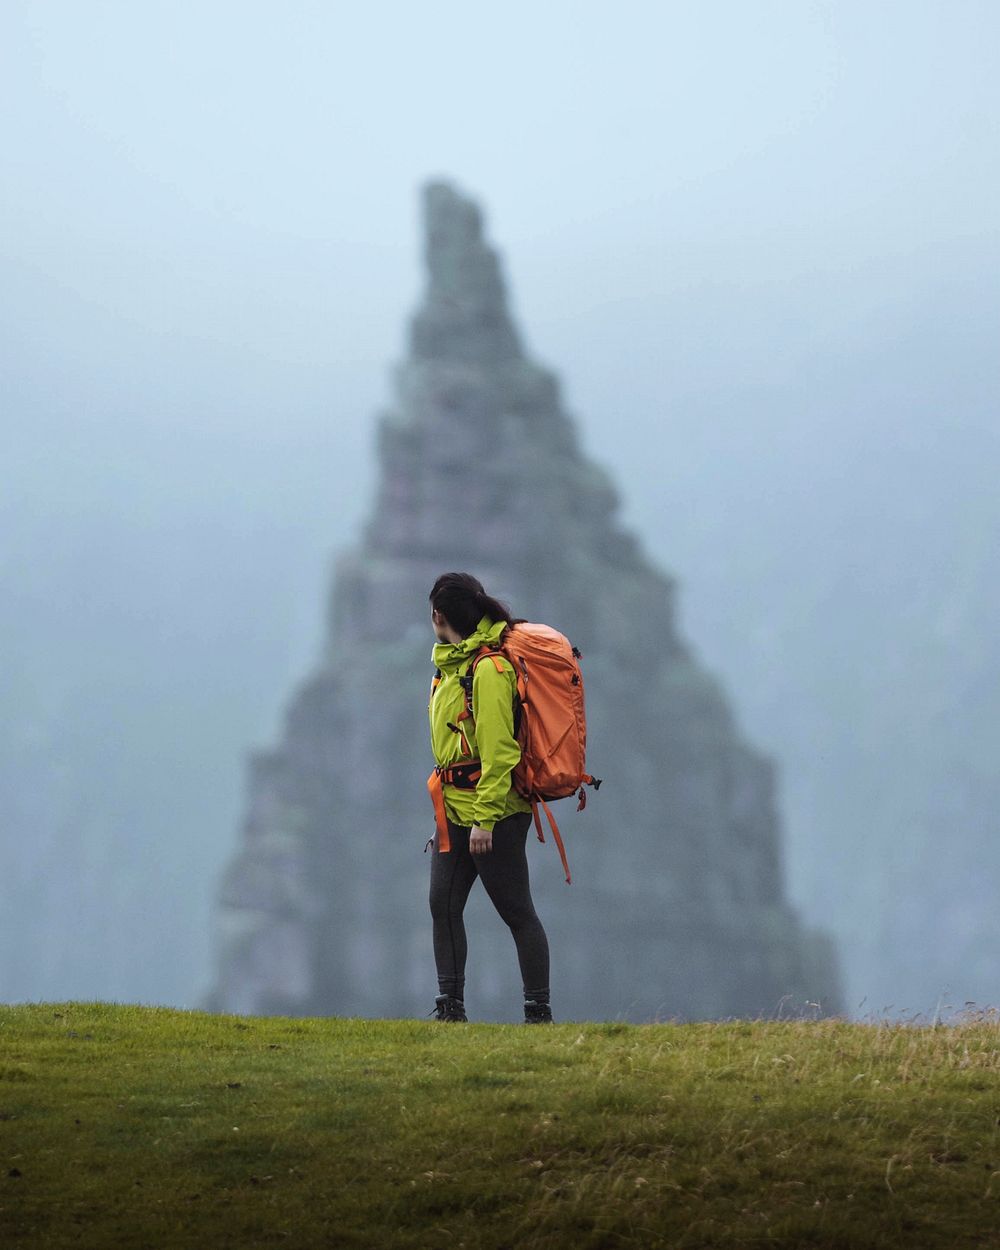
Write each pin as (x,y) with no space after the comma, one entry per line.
(233,186)
(209,231)
(758,242)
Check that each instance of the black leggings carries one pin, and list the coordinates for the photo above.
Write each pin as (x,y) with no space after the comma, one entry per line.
(504,872)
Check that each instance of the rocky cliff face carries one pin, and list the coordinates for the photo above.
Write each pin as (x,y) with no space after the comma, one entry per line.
(677,907)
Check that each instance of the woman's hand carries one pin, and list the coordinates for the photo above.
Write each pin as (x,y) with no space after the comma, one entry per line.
(480,840)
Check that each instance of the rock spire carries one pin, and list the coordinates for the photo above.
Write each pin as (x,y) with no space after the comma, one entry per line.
(677,907)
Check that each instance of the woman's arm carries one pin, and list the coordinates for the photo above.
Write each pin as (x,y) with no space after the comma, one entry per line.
(499,751)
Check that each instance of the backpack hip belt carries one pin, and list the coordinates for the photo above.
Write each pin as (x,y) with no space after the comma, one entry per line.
(463,775)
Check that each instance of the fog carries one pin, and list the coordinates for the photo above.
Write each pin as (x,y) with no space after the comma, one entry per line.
(757,242)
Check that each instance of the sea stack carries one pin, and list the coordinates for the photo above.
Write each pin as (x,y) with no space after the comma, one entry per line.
(677,907)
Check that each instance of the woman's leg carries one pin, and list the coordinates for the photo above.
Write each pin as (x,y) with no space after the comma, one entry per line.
(452,875)
(504,871)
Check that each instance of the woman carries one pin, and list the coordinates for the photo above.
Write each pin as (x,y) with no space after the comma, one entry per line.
(486,819)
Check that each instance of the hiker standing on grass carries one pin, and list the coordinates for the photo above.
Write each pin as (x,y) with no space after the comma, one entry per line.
(485,819)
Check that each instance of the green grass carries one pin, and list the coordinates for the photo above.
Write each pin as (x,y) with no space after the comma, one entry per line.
(149,1127)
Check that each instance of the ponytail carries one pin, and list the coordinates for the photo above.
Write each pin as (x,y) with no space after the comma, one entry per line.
(461,599)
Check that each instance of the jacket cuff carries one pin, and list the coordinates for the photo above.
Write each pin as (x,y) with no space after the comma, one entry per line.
(485,824)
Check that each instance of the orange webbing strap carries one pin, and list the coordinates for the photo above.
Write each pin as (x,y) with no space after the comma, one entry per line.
(440,816)
(538,823)
(484,652)
(480,655)
(555,832)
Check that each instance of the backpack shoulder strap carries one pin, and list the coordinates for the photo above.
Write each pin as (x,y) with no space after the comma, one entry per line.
(484,653)
(493,655)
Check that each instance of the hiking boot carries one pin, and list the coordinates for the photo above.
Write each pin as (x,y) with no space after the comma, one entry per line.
(537,1013)
(449,1008)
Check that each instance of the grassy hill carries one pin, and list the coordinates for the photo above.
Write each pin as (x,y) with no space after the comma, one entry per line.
(124,1125)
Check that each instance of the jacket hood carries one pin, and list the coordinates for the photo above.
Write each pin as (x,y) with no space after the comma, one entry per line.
(450,656)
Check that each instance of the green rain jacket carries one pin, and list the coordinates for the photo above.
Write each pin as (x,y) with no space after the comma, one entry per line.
(489,732)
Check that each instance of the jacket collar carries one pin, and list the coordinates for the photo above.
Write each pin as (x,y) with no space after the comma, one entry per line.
(450,656)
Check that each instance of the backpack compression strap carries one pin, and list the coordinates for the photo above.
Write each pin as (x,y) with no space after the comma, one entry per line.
(534,799)
(555,831)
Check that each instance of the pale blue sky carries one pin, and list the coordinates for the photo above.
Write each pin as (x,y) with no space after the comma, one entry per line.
(241,176)
(210,211)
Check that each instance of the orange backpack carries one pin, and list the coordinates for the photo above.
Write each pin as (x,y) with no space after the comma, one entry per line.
(550,722)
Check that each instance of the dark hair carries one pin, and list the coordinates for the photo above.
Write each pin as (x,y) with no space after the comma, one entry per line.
(461,599)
